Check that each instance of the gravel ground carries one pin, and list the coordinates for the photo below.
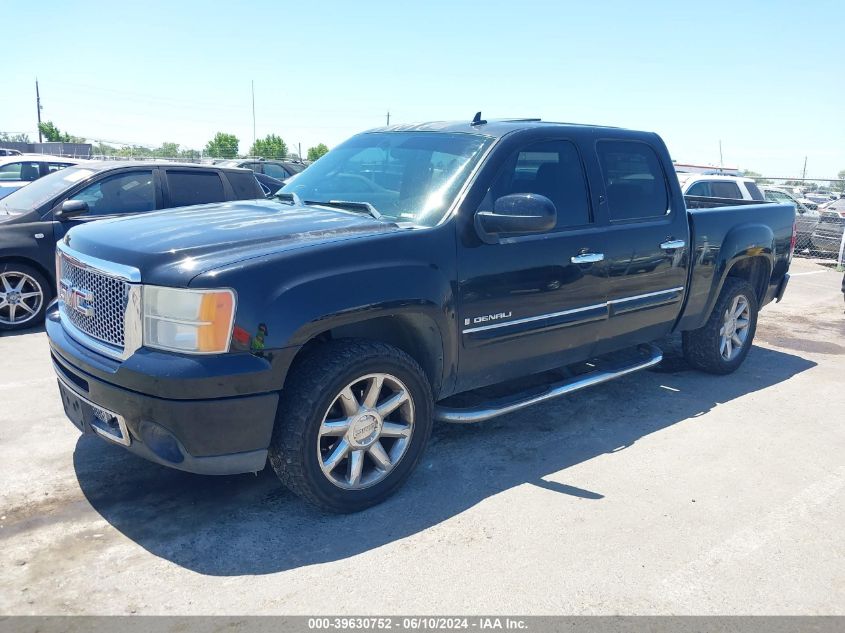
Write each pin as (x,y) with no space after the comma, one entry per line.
(668,491)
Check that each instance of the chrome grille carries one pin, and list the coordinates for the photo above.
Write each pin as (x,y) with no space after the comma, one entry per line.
(95,303)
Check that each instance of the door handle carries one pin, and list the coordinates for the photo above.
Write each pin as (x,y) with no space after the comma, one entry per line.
(587,258)
(671,245)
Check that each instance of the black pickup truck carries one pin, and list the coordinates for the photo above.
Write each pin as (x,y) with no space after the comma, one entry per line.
(445,271)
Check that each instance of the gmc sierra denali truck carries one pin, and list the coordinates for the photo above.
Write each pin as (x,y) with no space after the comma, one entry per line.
(445,271)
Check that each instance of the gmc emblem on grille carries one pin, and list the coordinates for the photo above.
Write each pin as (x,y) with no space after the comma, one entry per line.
(77,299)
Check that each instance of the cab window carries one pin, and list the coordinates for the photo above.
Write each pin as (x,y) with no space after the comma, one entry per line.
(552,169)
(633,179)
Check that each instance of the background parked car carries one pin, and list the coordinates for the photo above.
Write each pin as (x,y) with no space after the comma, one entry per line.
(19,170)
(34,218)
(269,184)
(805,219)
(827,236)
(278,169)
(9,152)
(818,198)
(718,186)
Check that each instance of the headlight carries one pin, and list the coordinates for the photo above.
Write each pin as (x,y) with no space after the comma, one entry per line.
(188,320)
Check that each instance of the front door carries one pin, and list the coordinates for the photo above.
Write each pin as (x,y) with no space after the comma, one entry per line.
(115,195)
(532,302)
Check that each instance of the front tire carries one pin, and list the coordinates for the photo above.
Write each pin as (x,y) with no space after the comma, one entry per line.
(353,421)
(24,294)
(720,346)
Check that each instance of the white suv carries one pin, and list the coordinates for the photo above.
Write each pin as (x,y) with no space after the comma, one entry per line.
(717,186)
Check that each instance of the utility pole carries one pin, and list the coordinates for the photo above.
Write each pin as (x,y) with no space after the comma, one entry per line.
(252,82)
(721,160)
(299,150)
(38,107)
(804,173)
(388,118)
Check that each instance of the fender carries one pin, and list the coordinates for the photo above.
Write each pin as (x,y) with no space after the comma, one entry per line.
(286,300)
(742,242)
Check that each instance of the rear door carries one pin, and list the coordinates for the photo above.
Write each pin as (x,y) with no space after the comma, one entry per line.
(244,185)
(185,187)
(527,303)
(645,244)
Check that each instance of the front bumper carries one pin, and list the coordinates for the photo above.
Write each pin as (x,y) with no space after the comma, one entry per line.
(195,433)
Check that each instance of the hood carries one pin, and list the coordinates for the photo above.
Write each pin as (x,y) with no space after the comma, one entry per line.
(188,241)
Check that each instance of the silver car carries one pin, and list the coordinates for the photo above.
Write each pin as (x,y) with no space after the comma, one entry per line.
(18,171)
(806,219)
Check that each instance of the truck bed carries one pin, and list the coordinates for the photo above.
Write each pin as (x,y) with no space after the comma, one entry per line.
(724,230)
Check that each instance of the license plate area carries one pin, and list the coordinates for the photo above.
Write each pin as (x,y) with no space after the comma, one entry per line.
(86,415)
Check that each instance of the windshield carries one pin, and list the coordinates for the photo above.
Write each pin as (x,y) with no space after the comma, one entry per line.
(406,176)
(43,190)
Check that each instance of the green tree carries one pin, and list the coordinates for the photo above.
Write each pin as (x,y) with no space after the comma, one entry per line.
(50,132)
(223,145)
(271,146)
(14,138)
(54,135)
(841,184)
(315,152)
(756,176)
(135,151)
(101,149)
(168,150)
(190,154)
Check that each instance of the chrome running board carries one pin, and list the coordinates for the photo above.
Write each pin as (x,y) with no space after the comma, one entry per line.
(650,356)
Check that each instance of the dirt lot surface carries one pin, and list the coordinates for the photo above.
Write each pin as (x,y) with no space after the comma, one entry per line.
(668,491)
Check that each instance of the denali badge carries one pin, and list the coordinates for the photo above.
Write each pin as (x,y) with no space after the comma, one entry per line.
(488,317)
(77,299)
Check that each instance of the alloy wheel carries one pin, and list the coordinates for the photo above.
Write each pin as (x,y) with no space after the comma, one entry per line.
(21,298)
(734,330)
(366,431)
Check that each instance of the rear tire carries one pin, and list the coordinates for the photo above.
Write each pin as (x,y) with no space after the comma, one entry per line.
(721,345)
(353,421)
(24,295)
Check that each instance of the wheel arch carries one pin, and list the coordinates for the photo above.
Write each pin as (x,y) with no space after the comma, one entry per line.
(6,259)
(755,269)
(416,334)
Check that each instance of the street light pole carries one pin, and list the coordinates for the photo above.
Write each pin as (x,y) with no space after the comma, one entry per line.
(38,107)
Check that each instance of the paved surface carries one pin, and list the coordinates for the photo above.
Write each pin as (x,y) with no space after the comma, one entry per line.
(668,491)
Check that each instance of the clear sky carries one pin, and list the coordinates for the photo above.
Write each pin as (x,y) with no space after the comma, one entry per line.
(767,78)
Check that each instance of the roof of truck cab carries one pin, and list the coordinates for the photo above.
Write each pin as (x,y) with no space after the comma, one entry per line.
(495,128)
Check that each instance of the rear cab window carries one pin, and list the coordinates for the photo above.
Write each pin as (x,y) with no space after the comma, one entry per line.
(725,189)
(190,187)
(634,180)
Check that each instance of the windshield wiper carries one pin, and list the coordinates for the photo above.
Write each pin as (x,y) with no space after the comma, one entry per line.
(349,205)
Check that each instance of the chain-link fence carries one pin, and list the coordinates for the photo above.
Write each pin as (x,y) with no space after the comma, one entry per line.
(819,214)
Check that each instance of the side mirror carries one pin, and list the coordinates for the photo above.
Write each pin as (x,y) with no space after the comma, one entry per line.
(71,208)
(516,213)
